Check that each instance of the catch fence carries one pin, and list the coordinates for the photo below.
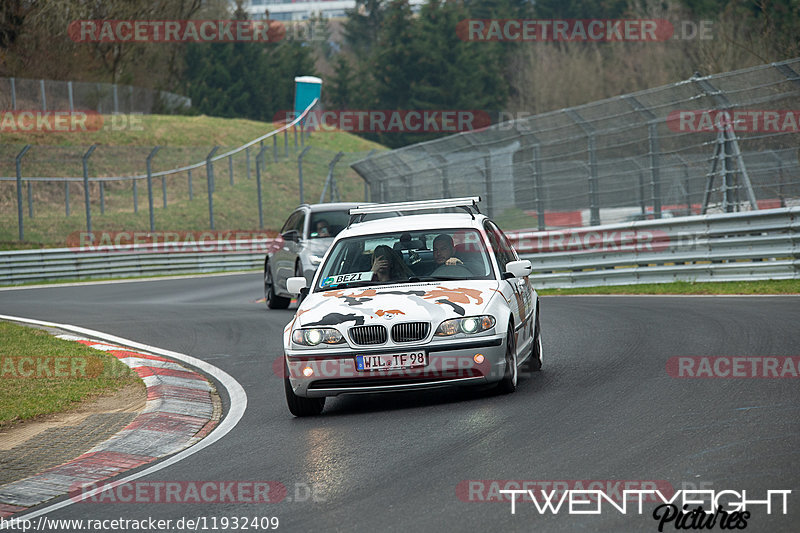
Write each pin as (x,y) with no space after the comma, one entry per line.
(722,143)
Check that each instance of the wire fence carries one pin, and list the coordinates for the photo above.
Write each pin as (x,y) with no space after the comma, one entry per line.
(243,186)
(721,143)
(21,94)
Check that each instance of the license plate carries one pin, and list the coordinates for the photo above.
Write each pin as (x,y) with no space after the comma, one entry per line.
(393,361)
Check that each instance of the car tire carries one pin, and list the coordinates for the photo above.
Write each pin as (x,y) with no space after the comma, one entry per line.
(298,405)
(508,383)
(273,300)
(535,360)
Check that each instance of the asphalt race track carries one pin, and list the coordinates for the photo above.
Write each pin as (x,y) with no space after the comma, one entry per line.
(603,408)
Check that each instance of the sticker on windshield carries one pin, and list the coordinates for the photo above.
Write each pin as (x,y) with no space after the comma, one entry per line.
(346,278)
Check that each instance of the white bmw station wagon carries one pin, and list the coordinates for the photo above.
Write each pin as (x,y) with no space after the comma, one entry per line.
(412,302)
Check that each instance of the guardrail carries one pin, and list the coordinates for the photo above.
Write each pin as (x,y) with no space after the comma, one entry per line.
(56,264)
(756,245)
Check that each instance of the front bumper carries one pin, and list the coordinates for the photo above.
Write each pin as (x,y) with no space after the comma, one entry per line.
(449,364)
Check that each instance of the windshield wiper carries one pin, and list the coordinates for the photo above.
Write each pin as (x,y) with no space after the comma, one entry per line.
(438,278)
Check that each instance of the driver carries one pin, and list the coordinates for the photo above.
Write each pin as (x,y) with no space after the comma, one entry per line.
(444,250)
(322,228)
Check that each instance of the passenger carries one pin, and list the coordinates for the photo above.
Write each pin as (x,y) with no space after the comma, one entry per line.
(444,250)
(387,265)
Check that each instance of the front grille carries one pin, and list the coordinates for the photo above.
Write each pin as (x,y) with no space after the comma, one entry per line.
(410,331)
(366,335)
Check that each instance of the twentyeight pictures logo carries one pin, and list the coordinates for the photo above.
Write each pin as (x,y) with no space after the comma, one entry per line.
(176,31)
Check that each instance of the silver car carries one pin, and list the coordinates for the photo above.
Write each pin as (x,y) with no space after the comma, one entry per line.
(424,301)
(306,236)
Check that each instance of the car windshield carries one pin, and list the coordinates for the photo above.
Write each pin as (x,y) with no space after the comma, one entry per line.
(403,256)
(328,224)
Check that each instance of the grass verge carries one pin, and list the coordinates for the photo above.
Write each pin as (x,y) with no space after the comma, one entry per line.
(791,286)
(183,141)
(41,374)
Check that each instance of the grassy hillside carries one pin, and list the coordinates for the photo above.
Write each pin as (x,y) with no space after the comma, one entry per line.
(184,140)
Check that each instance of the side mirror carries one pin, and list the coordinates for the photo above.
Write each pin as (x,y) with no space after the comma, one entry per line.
(519,269)
(296,285)
(291,235)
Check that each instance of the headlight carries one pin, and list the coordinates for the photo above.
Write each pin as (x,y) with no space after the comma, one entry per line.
(315,336)
(315,260)
(469,325)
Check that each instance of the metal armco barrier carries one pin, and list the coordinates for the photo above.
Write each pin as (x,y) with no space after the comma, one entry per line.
(130,261)
(757,245)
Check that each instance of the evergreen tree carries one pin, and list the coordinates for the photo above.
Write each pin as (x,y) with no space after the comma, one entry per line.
(339,91)
(244,80)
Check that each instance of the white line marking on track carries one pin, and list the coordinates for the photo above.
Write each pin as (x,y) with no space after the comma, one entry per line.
(238,399)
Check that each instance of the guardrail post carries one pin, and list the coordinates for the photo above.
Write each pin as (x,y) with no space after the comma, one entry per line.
(780,178)
(300,171)
(487,180)
(286,143)
(191,193)
(150,157)
(18,163)
(247,158)
(727,148)
(164,190)
(102,198)
(642,203)
(330,180)
(367,185)
(86,157)
(69,96)
(230,169)
(30,198)
(43,96)
(654,149)
(686,193)
(259,158)
(210,179)
(536,174)
(275,148)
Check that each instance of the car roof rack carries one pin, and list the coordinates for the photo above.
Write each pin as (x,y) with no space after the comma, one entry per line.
(467,203)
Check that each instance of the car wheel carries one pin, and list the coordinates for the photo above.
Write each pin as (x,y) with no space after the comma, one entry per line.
(509,382)
(535,360)
(273,300)
(298,405)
